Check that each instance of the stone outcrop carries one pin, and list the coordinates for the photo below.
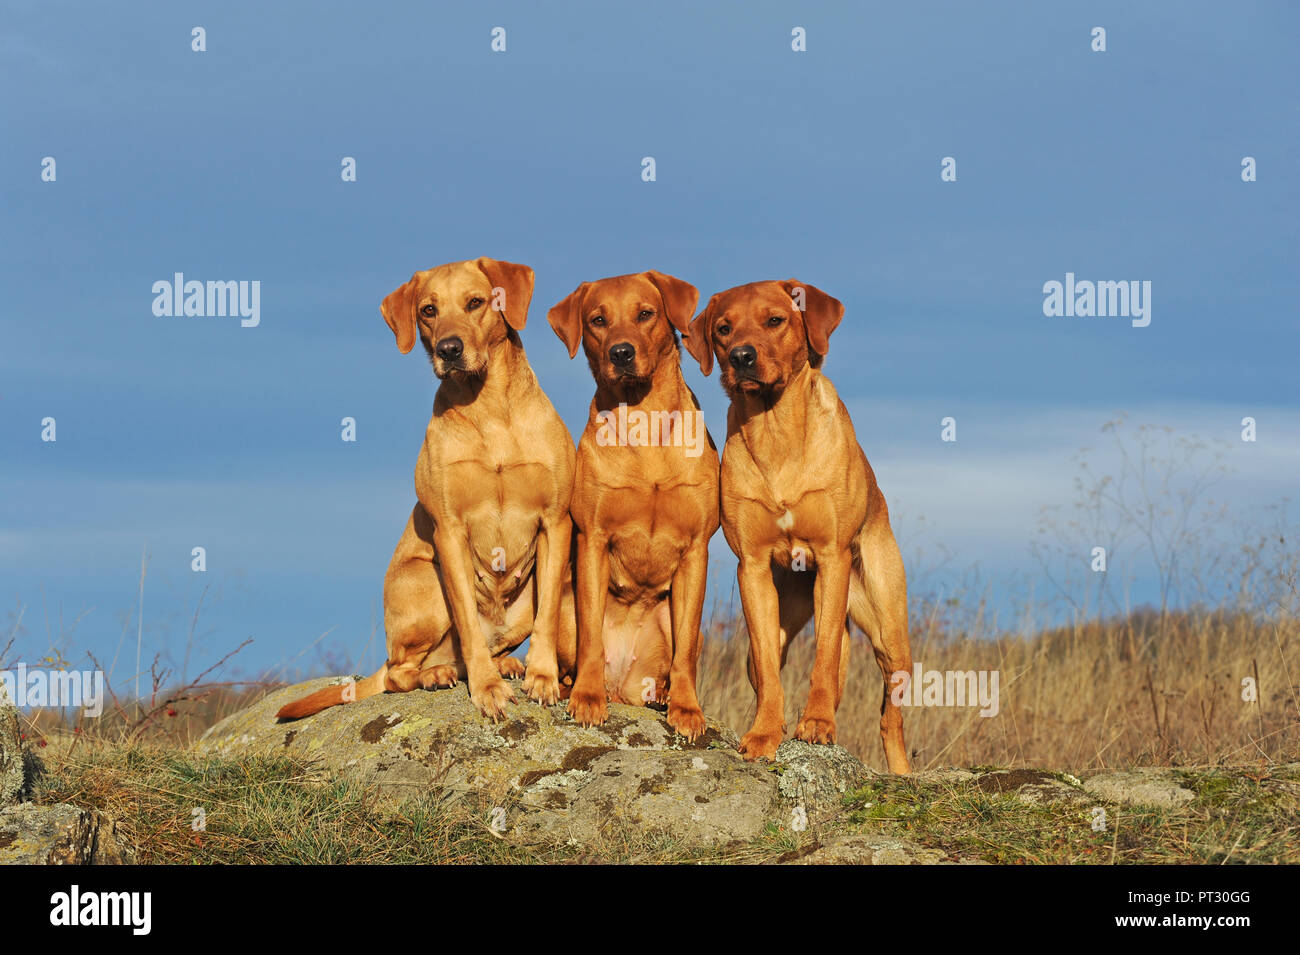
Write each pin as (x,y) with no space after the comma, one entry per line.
(60,834)
(543,777)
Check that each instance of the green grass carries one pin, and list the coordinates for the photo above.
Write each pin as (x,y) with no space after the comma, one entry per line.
(1237,816)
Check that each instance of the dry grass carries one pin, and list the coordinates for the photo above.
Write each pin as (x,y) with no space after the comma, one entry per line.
(1133,691)
(1102,694)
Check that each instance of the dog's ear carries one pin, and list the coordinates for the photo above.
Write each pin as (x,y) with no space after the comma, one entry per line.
(699,336)
(680,298)
(821,313)
(516,289)
(398,309)
(566,318)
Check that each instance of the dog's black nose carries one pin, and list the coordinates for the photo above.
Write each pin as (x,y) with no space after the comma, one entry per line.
(743,357)
(449,349)
(622,354)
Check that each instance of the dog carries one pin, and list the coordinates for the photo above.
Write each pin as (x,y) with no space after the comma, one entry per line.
(801,509)
(484,562)
(645,500)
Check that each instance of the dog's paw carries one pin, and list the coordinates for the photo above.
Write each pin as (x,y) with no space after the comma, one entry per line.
(756,745)
(588,708)
(492,698)
(509,667)
(814,729)
(438,677)
(542,686)
(687,720)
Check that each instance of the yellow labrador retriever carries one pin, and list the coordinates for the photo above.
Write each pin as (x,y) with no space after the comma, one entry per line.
(801,509)
(645,502)
(484,561)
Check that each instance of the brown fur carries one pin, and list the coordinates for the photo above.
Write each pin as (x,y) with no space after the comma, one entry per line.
(801,509)
(643,514)
(484,561)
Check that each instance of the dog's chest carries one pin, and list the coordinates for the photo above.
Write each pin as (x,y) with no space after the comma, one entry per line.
(796,533)
(649,531)
(641,565)
(790,510)
(498,501)
(488,484)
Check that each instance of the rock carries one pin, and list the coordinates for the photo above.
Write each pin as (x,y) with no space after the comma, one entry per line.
(12,776)
(696,798)
(948,776)
(405,743)
(540,776)
(1150,788)
(817,777)
(1033,787)
(868,849)
(61,834)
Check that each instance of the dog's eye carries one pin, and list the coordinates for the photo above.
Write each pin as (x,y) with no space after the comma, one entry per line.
(598,320)
(473,304)
(775,320)
(724,329)
(645,313)
(428,311)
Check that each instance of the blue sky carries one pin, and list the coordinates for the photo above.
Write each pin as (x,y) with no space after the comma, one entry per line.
(822,165)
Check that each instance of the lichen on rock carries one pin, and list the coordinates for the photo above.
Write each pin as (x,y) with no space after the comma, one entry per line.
(561,781)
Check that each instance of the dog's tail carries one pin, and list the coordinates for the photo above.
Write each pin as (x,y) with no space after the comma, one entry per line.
(335,695)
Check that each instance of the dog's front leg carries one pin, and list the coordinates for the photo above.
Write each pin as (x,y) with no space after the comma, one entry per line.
(488,691)
(687,596)
(758,599)
(588,703)
(831,607)
(542,678)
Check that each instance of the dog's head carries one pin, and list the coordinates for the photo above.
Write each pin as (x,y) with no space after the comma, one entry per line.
(763,334)
(460,311)
(627,325)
